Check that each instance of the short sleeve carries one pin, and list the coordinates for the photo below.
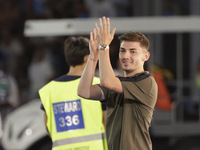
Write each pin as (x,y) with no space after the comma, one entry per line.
(42,107)
(144,91)
(44,96)
(105,92)
(103,105)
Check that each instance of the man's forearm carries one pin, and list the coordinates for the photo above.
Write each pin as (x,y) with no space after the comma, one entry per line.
(85,84)
(107,75)
(105,37)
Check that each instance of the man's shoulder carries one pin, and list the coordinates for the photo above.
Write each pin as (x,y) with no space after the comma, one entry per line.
(45,87)
(136,78)
(65,78)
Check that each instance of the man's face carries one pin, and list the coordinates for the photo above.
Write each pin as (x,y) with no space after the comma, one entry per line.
(132,56)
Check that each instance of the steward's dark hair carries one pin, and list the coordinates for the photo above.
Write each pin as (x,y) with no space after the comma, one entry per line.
(75,49)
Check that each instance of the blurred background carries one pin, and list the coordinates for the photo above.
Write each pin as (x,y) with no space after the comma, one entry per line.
(28,63)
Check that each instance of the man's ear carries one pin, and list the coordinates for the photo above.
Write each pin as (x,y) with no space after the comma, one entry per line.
(146,56)
(85,58)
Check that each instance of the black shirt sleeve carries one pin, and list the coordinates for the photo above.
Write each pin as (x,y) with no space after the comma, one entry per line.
(42,107)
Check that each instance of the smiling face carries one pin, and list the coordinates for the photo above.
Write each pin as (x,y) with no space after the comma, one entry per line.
(132,57)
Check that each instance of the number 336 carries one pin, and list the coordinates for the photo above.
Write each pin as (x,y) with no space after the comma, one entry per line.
(69,121)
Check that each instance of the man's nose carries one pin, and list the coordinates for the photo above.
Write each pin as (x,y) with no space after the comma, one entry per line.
(126,54)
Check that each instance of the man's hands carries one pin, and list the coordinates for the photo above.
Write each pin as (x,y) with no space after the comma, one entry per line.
(104,36)
(100,35)
(94,52)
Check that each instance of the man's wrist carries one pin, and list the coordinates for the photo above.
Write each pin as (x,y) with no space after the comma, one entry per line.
(93,59)
(103,47)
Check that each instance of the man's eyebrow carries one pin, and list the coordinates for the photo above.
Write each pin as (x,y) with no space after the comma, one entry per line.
(132,49)
(121,48)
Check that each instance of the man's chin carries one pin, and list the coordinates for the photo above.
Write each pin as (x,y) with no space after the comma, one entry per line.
(127,70)
(125,67)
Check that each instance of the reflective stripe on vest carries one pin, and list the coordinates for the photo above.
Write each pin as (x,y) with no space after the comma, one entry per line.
(78,139)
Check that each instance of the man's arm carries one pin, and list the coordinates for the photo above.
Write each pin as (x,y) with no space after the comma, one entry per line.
(45,121)
(85,88)
(104,118)
(107,75)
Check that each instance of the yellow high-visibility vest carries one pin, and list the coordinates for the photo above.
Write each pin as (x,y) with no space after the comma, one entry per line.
(74,123)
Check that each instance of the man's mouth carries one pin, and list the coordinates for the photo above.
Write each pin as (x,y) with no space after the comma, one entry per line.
(125,63)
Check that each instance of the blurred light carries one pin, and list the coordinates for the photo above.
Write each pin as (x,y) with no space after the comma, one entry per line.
(29,131)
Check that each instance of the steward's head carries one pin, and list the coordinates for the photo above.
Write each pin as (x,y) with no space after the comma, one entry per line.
(75,49)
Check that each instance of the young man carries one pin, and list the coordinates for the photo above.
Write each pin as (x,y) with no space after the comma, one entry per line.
(73,122)
(131,98)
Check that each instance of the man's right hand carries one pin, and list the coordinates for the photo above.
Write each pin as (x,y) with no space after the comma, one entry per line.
(94,52)
(104,36)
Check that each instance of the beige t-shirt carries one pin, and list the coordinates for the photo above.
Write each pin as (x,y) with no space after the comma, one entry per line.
(129,114)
